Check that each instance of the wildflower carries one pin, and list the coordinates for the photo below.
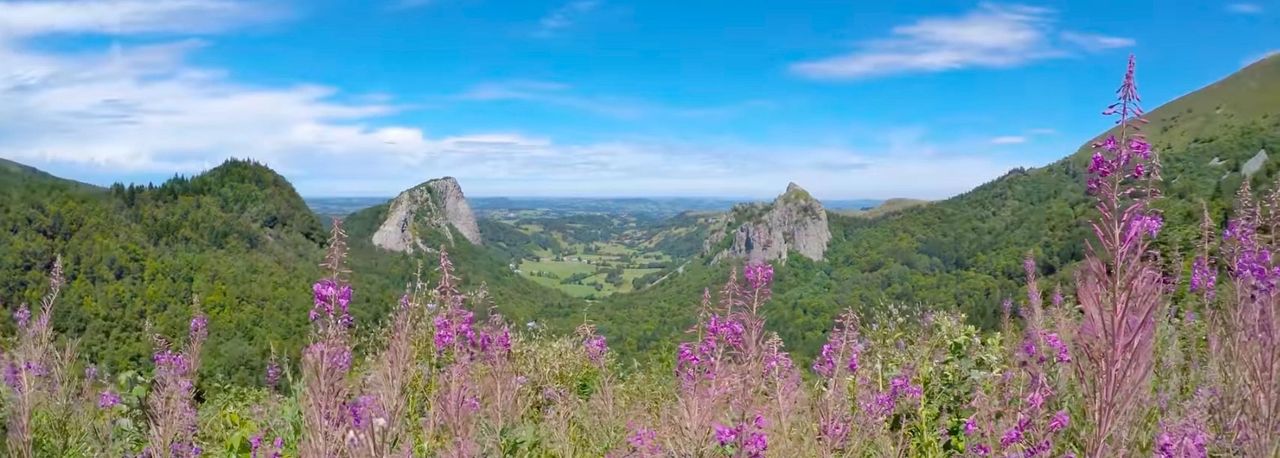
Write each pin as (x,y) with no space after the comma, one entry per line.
(834,431)
(255,443)
(970,426)
(825,364)
(1099,165)
(756,444)
(13,376)
(108,399)
(1140,147)
(199,328)
(596,347)
(1109,144)
(644,440)
(1010,437)
(725,435)
(1029,347)
(273,374)
(759,275)
(360,411)
(22,316)
(444,336)
(1063,354)
(1202,278)
(980,449)
(1059,421)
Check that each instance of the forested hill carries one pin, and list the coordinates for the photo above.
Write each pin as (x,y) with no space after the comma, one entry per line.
(966,252)
(237,237)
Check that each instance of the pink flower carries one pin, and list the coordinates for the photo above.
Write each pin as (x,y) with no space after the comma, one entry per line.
(1059,422)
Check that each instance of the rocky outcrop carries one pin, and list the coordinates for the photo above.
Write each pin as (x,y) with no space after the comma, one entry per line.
(436,205)
(1254,164)
(758,232)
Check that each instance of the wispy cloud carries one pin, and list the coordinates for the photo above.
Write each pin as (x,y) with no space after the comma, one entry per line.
(565,16)
(563,95)
(1008,140)
(1095,42)
(31,18)
(1244,8)
(992,36)
(147,109)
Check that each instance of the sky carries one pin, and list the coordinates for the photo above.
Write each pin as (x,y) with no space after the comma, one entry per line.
(848,98)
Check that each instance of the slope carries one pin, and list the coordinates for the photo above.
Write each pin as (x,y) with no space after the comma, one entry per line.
(966,252)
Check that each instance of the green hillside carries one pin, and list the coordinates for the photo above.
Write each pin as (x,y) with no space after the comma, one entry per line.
(966,252)
(237,237)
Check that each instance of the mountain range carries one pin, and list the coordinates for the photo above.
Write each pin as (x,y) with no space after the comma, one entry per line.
(238,242)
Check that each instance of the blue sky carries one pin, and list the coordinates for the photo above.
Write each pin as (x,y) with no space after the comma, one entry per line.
(851,99)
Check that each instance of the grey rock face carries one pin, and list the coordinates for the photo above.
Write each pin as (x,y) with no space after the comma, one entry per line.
(435,205)
(1254,164)
(795,221)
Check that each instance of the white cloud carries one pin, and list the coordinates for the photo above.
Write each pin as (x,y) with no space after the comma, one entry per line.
(992,36)
(1244,8)
(565,16)
(563,95)
(117,17)
(1008,140)
(1095,42)
(147,110)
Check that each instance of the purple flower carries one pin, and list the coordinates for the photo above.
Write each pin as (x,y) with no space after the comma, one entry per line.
(1010,437)
(1099,165)
(360,411)
(199,328)
(273,374)
(980,449)
(1029,347)
(326,294)
(1053,341)
(825,364)
(834,432)
(108,399)
(643,439)
(725,435)
(596,348)
(756,444)
(255,443)
(1202,277)
(970,425)
(1059,421)
(1109,144)
(22,316)
(1140,147)
(758,275)
(444,336)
